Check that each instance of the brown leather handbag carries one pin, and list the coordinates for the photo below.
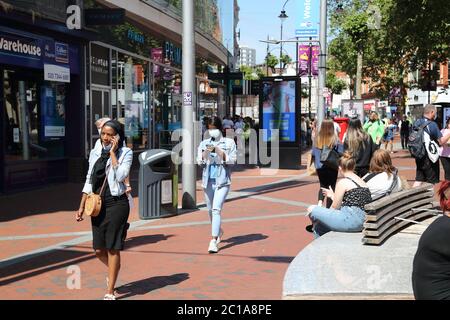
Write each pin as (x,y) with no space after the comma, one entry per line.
(93,204)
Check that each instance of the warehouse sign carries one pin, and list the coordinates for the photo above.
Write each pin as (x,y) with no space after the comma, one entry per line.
(309,19)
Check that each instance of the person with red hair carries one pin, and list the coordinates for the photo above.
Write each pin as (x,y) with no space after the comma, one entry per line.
(431,266)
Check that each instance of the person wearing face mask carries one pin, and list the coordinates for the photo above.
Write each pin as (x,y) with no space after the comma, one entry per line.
(216,154)
(108,168)
(426,169)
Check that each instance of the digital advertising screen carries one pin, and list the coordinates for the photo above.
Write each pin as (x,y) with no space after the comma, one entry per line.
(278,109)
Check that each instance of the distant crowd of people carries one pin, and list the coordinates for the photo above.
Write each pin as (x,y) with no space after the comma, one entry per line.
(368,174)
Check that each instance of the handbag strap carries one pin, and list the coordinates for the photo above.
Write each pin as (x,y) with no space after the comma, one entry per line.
(104,182)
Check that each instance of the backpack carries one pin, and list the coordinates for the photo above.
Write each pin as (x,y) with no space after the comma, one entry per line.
(416,141)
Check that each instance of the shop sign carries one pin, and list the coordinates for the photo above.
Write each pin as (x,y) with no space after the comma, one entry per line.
(31,51)
(52,115)
(56,73)
(135,36)
(100,65)
(172,53)
(95,17)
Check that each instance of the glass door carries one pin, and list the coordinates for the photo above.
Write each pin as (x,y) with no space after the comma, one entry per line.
(101,108)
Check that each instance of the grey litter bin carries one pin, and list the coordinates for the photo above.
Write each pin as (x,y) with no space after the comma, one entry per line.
(158,184)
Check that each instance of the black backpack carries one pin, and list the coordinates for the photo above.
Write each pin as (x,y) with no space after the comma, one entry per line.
(416,144)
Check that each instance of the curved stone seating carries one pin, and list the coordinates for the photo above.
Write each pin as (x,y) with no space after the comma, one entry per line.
(337,266)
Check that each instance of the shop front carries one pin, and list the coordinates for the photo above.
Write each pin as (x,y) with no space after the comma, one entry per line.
(135,76)
(39,92)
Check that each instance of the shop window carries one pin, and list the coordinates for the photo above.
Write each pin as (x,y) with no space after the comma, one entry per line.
(35,128)
(131,99)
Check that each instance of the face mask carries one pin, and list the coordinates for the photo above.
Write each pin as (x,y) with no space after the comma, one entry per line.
(214,133)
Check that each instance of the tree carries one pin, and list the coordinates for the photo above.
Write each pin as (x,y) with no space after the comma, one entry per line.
(249,73)
(285,60)
(337,86)
(272,62)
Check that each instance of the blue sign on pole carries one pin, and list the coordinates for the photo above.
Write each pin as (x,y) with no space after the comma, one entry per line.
(309,19)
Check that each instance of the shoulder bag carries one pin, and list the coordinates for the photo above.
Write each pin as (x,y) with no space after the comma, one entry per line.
(93,204)
(330,157)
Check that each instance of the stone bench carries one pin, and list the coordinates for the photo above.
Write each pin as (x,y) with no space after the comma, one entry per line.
(338,267)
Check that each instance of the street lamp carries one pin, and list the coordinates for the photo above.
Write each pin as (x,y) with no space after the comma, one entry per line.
(283,16)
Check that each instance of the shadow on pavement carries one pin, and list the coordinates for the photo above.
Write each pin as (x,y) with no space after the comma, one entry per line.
(36,264)
(145,286)
(235,241)
(276,259)
(51,199)
(133,242)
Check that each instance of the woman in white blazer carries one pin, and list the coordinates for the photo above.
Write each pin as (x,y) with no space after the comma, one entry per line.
(110,160)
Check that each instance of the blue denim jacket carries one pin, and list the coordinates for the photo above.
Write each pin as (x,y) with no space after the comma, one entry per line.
(223,168)
(116,175)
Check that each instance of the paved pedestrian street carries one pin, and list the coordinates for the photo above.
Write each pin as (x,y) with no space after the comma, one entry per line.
(43,249)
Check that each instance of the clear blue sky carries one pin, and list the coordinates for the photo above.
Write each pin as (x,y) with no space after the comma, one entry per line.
(259,18)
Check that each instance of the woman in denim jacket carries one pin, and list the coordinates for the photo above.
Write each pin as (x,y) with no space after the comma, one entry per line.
(110,160)
(215,154)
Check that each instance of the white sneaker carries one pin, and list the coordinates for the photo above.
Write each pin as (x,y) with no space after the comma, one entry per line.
(109,297)
(213,246)
(220,236)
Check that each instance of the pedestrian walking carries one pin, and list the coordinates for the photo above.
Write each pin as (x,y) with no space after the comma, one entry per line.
(375,128)
(444,151)
(431,264)
(303,132)
(326,139)
(98,145)
(347,211)
(405,127)
(389,134)
(216,154)
(359,144)
(108,168)
(423,145)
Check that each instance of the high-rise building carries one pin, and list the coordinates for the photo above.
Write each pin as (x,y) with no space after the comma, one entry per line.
(247,57)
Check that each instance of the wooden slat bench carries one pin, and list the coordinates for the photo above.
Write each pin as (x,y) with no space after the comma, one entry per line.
(384,217)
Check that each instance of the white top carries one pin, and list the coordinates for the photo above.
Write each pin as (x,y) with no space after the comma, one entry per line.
(379,184)
(337,128)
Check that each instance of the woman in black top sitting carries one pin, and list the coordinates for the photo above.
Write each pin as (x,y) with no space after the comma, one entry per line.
(360,145)
(347,211)
(431,266)
(109,166)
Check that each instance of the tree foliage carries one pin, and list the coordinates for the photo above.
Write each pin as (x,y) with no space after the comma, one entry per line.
(395,37)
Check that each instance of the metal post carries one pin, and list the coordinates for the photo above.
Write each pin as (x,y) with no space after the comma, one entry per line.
(281,47)
(267,57)
(189,199)
(23,120)
(296,58)
(322,61)
(310,78)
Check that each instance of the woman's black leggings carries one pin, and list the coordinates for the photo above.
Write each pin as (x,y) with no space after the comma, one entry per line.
(327,178)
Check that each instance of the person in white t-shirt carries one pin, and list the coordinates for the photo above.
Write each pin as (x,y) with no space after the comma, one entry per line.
(382,178)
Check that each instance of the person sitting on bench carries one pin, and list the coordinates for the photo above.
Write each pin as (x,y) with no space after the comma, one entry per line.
(382,178)
(347,211)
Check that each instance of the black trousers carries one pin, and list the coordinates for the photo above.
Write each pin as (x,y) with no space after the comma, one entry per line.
(446,164)
(404,136)
(327,178)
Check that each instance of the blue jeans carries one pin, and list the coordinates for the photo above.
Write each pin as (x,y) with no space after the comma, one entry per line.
(346,219)
(215,198)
